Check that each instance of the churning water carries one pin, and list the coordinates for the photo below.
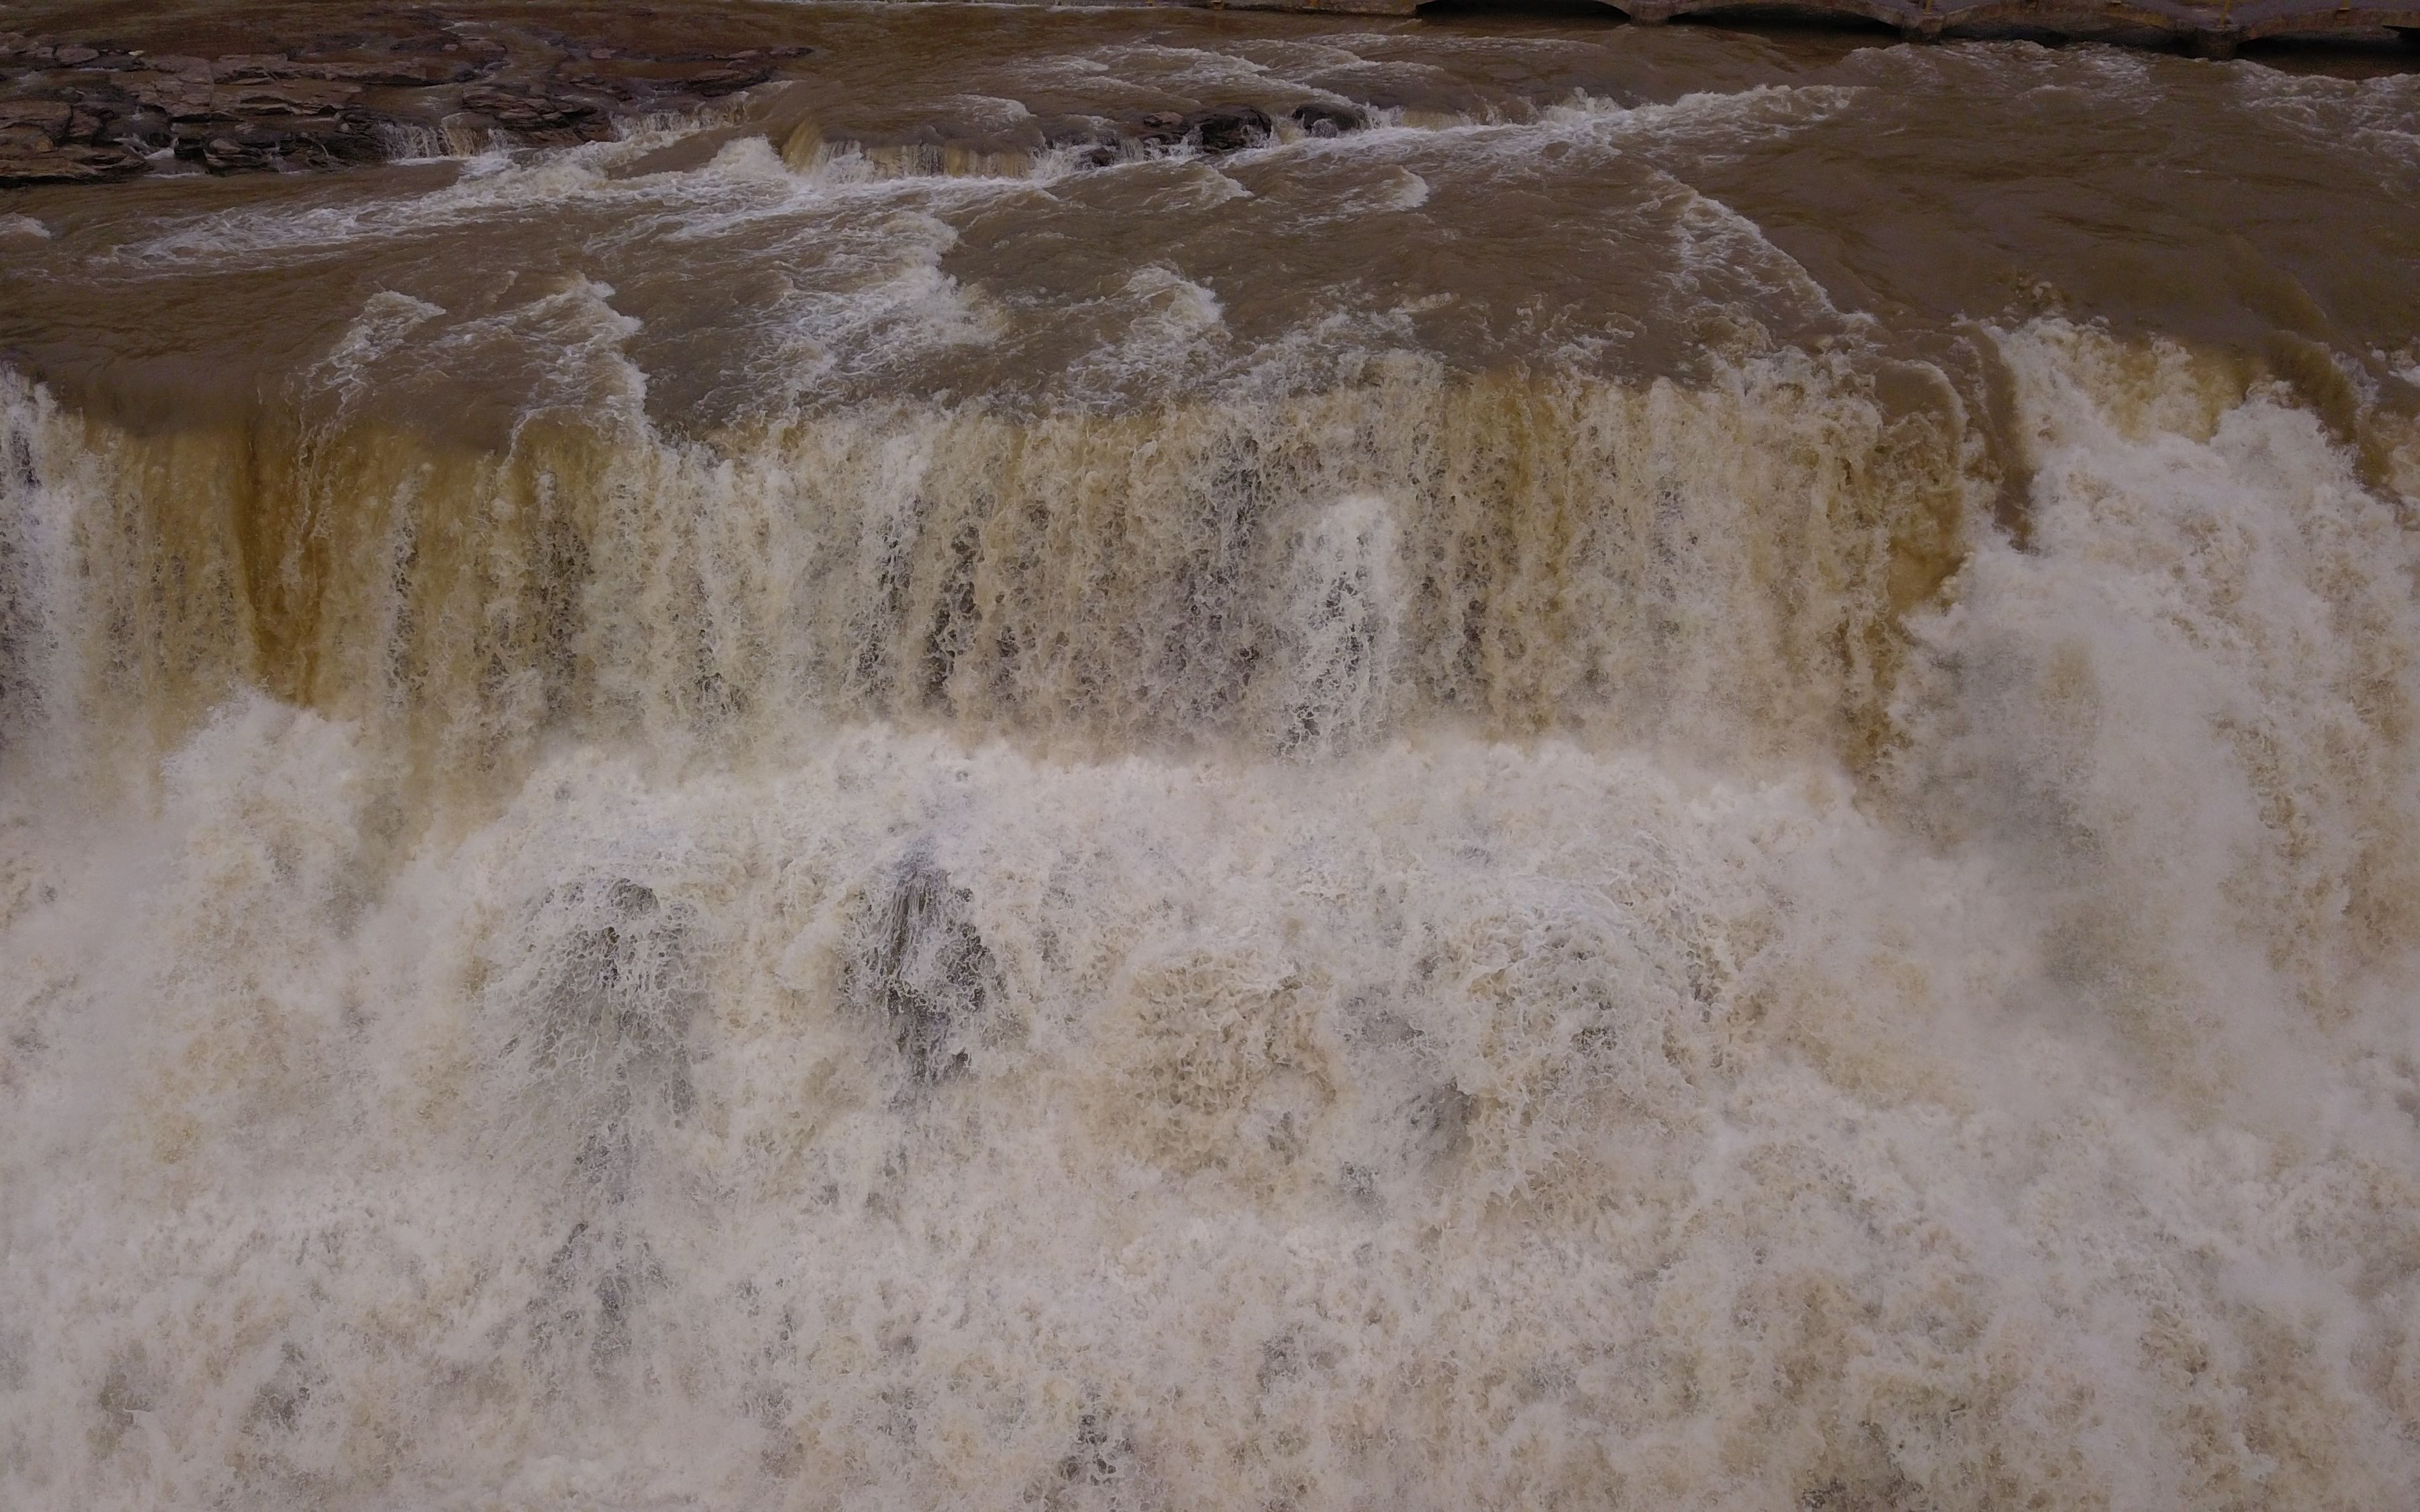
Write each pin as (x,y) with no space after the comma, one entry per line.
(1687,778)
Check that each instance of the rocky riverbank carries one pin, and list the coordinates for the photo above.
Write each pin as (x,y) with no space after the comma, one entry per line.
(98,103)
(78,109)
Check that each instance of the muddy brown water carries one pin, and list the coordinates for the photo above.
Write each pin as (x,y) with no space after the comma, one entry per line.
(1130,758)
(1850,191)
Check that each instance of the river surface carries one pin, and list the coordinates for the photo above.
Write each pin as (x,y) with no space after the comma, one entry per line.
(1686,776)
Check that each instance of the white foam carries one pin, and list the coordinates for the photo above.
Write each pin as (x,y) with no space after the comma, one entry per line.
(1395,1115)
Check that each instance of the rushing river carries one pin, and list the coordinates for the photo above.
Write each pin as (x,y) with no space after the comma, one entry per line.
(1684,776)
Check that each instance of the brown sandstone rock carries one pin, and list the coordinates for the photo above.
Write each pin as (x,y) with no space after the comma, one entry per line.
(28,156)
(49,116)
(78,109)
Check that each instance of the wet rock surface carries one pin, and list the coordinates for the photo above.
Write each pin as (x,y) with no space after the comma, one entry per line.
(1217,130)
(238,92)
(1318,120)
(920,964)
(82,110)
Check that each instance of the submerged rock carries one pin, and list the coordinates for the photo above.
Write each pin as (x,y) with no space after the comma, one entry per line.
(918,962)
(1231,128)
(1228,128)
(1220,129)
(1319,119)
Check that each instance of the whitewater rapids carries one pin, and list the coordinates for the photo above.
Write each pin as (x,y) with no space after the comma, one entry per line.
(1458,936)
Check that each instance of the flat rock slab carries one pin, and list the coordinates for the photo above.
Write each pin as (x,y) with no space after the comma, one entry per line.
(86,109)
(89,108)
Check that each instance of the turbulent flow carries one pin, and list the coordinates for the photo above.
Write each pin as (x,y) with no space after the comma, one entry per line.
(1469,821)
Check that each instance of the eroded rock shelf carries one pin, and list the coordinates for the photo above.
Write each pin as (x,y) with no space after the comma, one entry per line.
(104,94)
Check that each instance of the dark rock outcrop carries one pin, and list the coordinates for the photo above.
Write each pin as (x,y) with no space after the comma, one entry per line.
(918,962)
(1317,119)
(87,109)
(1229,128)
(48,141)
(1220,129)
(79,110)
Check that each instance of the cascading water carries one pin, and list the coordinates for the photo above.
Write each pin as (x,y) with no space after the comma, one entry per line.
(1455,814)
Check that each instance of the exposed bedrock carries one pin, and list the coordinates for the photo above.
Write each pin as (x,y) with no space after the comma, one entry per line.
(91,95)
(98,108)
(73,111)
